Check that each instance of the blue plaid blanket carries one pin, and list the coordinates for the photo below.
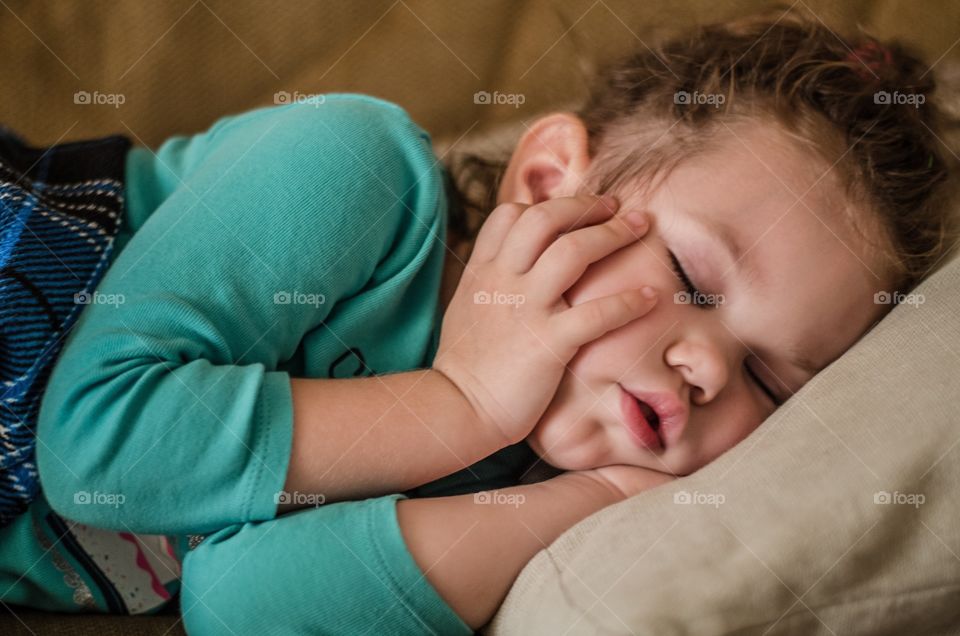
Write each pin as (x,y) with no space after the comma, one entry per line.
(60,208)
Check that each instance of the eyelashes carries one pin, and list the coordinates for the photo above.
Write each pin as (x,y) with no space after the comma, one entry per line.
(697,297)
(763,387)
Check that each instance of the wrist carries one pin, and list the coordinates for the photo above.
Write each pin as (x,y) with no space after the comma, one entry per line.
(475,418)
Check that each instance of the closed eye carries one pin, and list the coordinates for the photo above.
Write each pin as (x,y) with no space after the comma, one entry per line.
(697,297)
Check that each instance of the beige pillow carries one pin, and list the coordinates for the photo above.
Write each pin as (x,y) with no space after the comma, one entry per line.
(839,515)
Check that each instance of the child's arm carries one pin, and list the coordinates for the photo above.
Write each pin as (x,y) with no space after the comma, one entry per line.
(385,565)
(472,552)
(179,397)
(404,430)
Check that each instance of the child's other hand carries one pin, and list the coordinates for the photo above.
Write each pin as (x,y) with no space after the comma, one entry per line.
(508,332)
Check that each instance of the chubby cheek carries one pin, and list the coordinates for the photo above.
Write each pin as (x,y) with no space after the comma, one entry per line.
(571,434)
(579,429)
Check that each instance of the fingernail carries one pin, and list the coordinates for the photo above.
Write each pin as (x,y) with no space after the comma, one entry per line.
(636,219)
(609,201)
(648,292)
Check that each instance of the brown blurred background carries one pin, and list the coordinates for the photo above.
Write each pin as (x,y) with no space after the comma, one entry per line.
(181,64)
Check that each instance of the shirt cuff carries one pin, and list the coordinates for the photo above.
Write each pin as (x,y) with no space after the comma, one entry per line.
(404,576)
(270,454)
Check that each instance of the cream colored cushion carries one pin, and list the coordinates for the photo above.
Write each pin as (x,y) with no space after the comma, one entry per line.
(787,532)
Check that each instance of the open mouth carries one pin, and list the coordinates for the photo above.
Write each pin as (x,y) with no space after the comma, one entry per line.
(641,421)
(650,414)
(656,418)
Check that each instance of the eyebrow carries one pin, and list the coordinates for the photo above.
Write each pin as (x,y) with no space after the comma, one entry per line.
(720,232)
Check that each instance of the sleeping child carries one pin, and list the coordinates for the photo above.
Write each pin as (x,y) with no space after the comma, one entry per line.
(352,387)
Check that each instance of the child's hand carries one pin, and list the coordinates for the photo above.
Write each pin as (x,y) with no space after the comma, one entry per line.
(626,481)
(508,332)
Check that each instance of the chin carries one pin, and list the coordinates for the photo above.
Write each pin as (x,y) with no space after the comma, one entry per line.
(591,453)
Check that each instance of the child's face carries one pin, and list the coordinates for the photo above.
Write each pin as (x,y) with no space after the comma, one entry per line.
(804,285)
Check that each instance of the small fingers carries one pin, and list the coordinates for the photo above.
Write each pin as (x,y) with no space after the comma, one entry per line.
(568,257)
(588,321)
(494,230)
(540,225)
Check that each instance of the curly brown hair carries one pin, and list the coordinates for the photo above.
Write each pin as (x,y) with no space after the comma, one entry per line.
(866,107)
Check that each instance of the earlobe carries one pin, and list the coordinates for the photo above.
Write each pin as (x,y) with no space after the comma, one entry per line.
(550,160)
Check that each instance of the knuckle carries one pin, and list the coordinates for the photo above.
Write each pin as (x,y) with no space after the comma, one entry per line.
(595,312)
(538,217)
(571,244)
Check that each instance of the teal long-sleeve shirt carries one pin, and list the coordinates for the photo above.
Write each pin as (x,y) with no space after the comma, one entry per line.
(238,235)
(302,240)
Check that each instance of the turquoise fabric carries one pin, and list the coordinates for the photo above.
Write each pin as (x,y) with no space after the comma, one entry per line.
(251,225)
(300,240)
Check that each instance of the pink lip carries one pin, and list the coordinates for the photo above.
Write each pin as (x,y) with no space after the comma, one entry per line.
(672,413)
(637,425)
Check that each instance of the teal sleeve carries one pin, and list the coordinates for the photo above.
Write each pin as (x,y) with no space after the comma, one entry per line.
(172,394)
(343,568)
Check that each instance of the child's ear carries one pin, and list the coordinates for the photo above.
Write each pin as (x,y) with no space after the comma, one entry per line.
(550,160)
